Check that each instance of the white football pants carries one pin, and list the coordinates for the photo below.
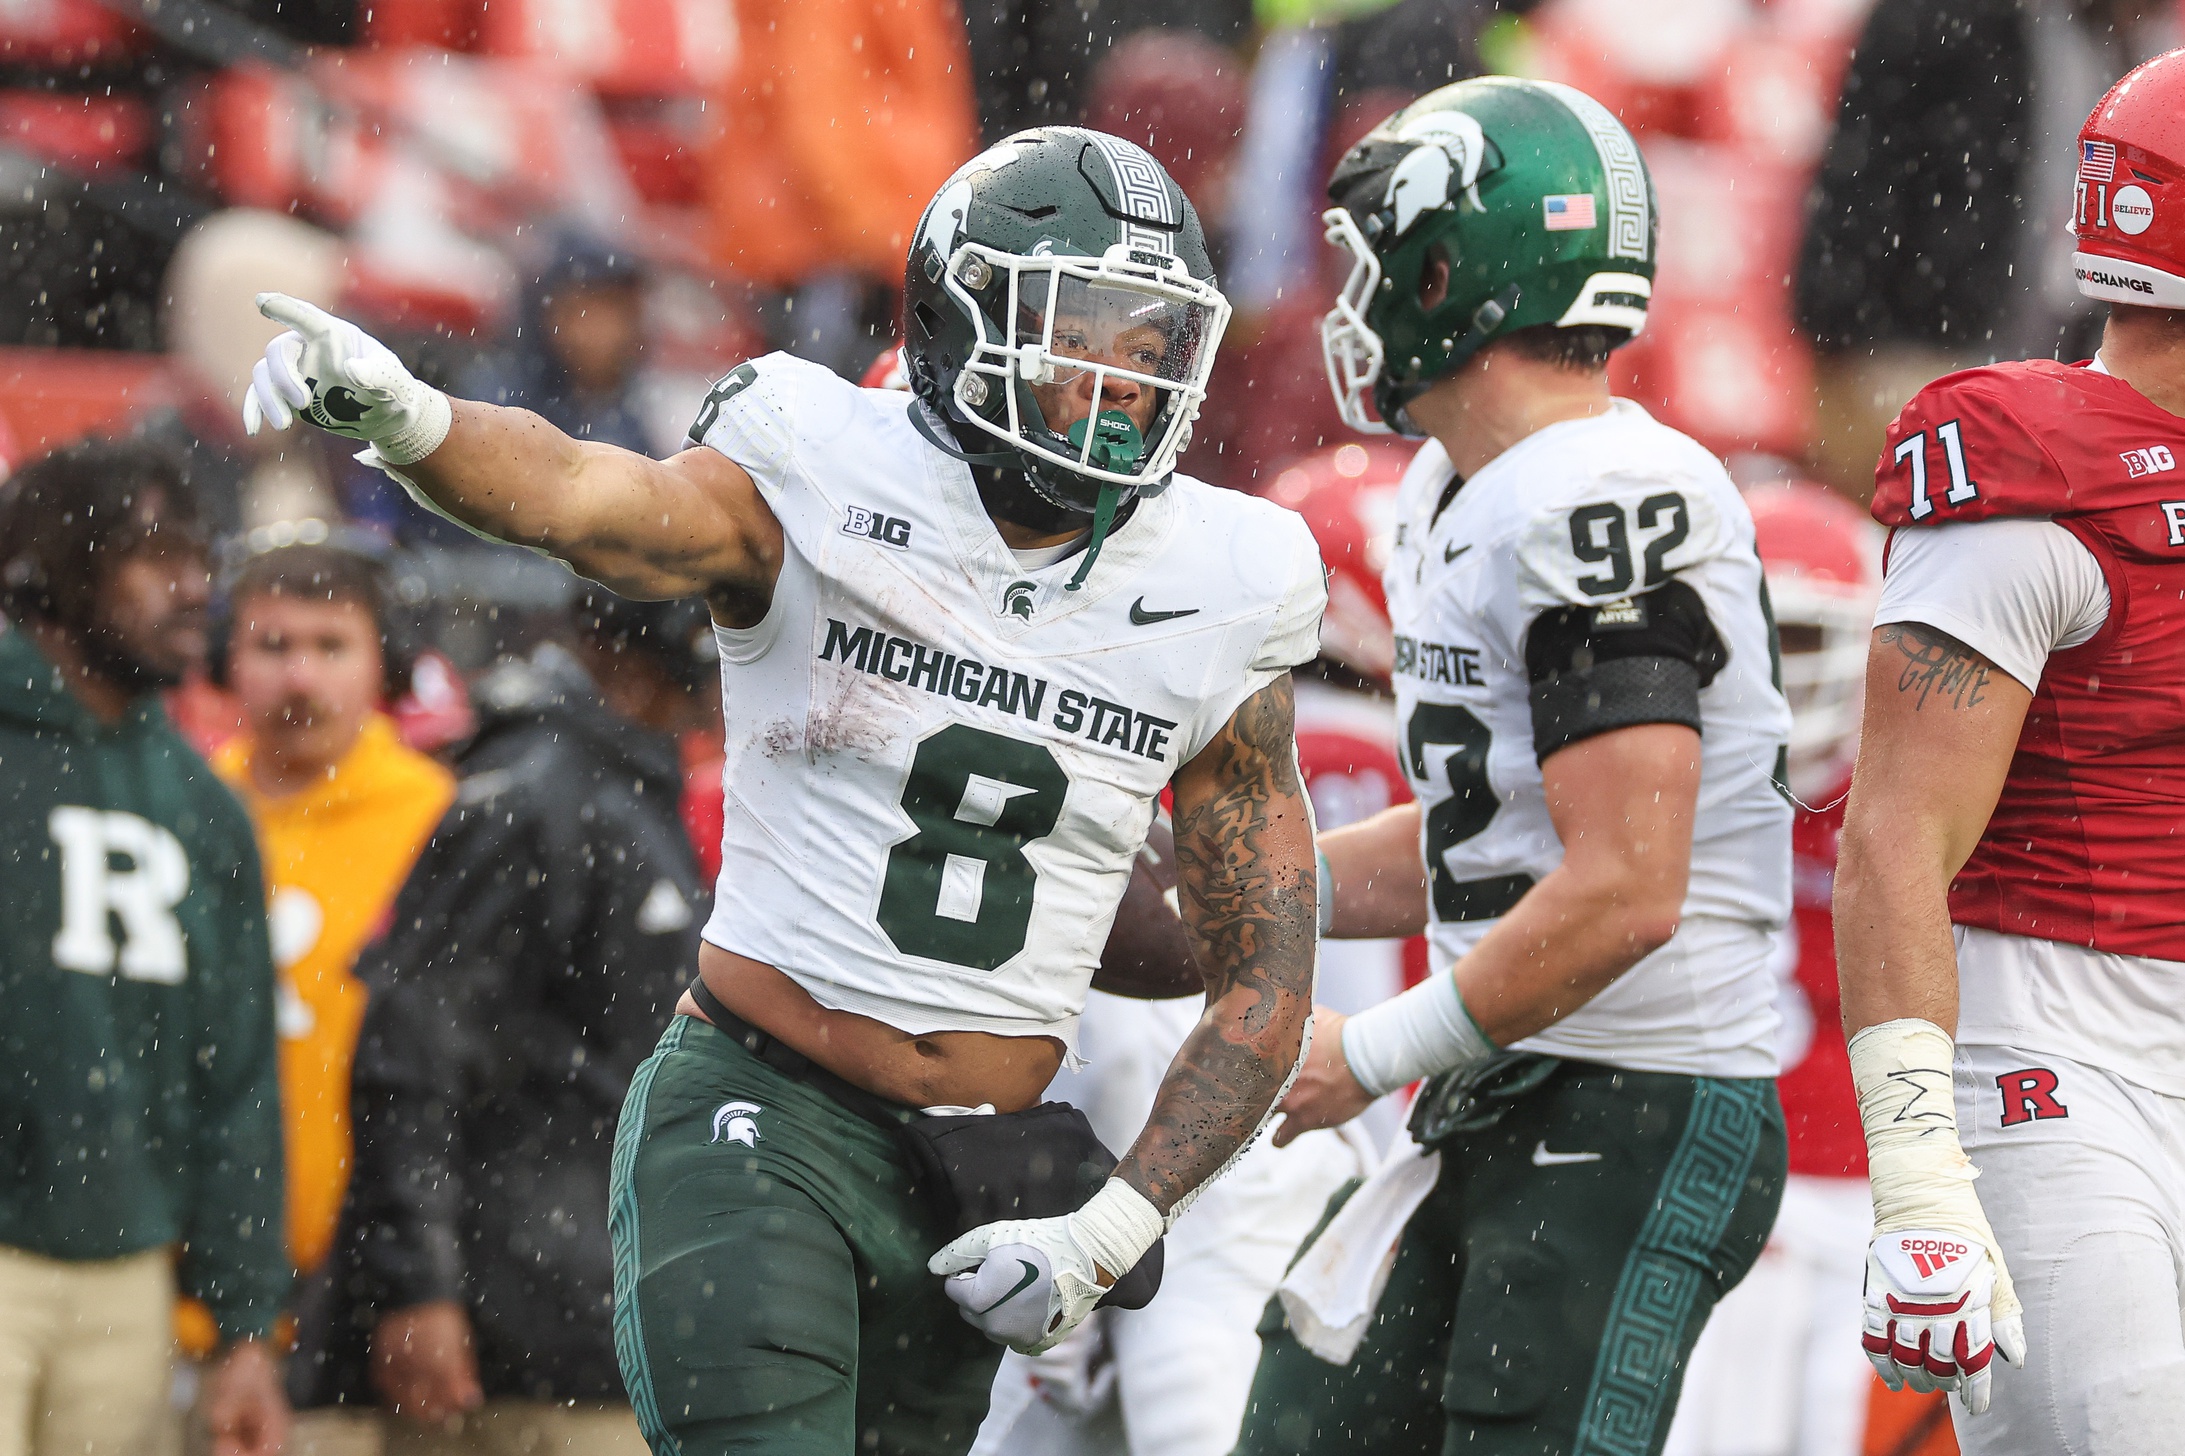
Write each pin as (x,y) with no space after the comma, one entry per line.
(2083,1176)
(1778,1371)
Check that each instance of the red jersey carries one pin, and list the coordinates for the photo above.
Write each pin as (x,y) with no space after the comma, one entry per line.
(2087,842)
(1819,1109)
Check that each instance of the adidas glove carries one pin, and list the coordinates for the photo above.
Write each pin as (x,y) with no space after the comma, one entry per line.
(1939,1301)
(343,380)
(1027,1282)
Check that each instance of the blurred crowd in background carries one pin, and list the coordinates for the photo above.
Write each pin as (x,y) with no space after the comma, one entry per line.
(593,208)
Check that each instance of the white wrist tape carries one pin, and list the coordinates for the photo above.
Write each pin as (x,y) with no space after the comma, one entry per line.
(1117,1226)
(1326,901)
(1424,1031)
(1920,1175)
(430,416)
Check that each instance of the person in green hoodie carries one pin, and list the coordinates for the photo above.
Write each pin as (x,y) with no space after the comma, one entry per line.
(140,1134)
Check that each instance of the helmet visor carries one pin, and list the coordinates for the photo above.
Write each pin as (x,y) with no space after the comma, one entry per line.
(1099,364)
(1108,341)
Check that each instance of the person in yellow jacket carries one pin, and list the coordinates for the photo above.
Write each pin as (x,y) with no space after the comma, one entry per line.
(341,809)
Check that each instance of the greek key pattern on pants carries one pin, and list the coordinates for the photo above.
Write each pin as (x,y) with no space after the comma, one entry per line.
(1674,1251)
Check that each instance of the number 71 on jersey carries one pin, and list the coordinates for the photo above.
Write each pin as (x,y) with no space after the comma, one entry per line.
(1914,448)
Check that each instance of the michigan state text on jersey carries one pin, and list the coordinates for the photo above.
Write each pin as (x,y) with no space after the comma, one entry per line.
(1589,715)
(968,636)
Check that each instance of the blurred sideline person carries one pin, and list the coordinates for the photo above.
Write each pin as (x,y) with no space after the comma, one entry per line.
(2007,909)
(968,640)
(1176,1373)
(312,653)
(532,960)
(1598,853)
(1778,1372)
(140,1135)
(576,355)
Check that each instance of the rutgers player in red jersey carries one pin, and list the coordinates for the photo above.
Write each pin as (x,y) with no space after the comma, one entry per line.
(1172,1379)
(1778,1371)
(2013,861)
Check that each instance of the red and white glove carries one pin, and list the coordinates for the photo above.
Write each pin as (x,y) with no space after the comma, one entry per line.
(1930,1303)
(1939,1301)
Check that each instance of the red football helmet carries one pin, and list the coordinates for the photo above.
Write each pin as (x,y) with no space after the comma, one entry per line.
(886,371)
(2128,212)
(1347,495)
(1823,560)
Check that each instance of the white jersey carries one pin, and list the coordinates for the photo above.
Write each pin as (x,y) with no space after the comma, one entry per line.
(940,765)
(1593,514)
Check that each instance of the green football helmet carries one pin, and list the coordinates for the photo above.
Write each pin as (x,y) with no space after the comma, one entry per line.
(1056,253)
(1538,199)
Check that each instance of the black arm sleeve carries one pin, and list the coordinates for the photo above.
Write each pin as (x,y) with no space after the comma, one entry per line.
(1643,659)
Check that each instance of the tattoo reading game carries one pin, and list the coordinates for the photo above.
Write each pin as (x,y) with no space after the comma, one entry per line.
(967,680)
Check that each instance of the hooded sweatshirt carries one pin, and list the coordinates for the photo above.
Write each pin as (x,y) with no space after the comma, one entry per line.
(138,1101)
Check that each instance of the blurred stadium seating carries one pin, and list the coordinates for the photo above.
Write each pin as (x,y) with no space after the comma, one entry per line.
(1732,106)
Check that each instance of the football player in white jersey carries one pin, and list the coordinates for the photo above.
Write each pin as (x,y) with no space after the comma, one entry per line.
(967,637)
(1587,704)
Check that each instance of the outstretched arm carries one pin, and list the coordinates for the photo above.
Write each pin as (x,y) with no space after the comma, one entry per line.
(691,525)
(1246,888)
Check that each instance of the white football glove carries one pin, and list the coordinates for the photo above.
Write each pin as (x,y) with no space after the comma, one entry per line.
(1027,1282)
(344,381)
(1939,1300)
(1929,1301)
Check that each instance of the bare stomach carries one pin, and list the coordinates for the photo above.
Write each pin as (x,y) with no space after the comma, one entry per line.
(939,1068)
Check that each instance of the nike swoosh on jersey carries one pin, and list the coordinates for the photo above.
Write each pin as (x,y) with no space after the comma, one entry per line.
(1542,1158)
(1031,1274)
(1451,553)
(1140,617)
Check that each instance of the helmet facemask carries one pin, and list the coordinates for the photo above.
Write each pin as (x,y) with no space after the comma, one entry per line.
(1349,346)
(1089,337)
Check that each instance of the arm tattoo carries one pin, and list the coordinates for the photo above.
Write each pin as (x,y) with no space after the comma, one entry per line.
(1937,667)
(1246,889)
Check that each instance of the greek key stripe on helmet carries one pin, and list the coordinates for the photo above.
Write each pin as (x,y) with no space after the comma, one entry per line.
(1627,220)
(1143,189)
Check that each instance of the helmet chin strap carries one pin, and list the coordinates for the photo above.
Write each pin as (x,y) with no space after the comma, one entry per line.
(1103,518)
(1116,446)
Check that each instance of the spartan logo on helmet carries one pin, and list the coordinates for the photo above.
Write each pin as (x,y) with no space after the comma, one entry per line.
(1462,179)
(1455,151)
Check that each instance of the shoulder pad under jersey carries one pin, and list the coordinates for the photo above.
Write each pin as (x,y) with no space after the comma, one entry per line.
(2025,439)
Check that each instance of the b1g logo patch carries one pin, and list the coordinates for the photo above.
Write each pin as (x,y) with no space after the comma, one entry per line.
(2029,1094)
(873,526)
(2151,461)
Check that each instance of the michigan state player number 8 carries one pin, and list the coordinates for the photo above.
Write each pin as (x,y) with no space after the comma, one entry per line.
(959,889)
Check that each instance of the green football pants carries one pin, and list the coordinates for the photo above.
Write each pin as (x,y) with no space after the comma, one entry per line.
(771,1292)
(1548,1291)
